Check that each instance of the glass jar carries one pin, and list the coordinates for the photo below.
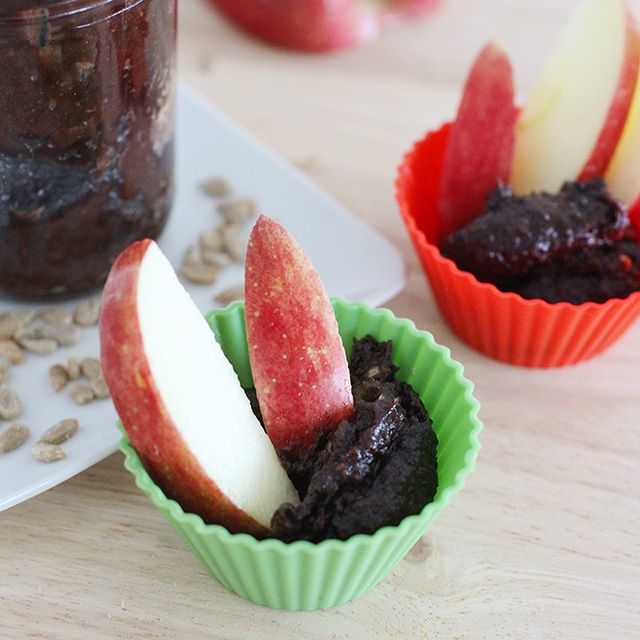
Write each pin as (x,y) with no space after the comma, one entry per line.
(86,137)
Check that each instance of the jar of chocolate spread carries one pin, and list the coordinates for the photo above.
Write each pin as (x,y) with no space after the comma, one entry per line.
(86,137)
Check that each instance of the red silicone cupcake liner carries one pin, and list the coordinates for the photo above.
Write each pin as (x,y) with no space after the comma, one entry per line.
(503,326)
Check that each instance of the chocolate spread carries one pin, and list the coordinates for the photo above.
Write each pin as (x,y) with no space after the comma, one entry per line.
(86,145)
(371,471)
(574,246)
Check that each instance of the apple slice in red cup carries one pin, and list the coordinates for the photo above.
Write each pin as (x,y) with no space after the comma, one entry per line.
(479,151)
(574,116)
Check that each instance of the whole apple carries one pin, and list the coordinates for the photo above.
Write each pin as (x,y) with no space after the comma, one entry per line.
(320,25)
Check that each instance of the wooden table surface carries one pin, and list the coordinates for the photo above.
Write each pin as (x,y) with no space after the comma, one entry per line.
(543,541)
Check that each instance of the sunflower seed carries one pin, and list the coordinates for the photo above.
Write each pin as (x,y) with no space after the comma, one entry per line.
(211,239)
(5,368)
(192,255)
(216,187)
(87,312)
(215,257)
(99,387)
(13,321)
(74,370)
(29,330)
(40,346)
(200,273)
(238,209)
(11,350)
(66,335)
(55,315)
(47,452)
(229,295)
(58,377)
(234,242)
(10,406)
(59,432)
(81,393)
(91,367)
(13,436)
(10,323)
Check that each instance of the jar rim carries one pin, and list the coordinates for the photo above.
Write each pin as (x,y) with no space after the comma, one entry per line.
(14,12)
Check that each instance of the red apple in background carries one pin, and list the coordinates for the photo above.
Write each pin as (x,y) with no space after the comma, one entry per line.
(479,152)
(180,401)
(297,358)
(320,25)
(573,119)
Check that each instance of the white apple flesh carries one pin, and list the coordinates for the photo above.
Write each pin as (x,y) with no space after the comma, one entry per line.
(575,114)
(181,402)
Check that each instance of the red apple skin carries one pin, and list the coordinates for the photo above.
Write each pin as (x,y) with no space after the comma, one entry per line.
(634,213)
(297,358)
(149,428)
(320,25)
(616,117)
(479,153)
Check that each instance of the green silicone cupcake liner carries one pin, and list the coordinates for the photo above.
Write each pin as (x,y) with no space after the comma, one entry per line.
(302,575)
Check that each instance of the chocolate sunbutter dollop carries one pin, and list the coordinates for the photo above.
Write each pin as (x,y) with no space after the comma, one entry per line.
(574,246)
(371,471)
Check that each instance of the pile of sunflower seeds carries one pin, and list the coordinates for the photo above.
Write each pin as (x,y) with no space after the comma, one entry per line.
(85,378)
(48,448)
(220,245)
(42,332)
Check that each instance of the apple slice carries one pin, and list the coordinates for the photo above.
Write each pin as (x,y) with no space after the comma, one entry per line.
(180,401)
(298,361)
(479,152)
(320,25)
(573,120)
